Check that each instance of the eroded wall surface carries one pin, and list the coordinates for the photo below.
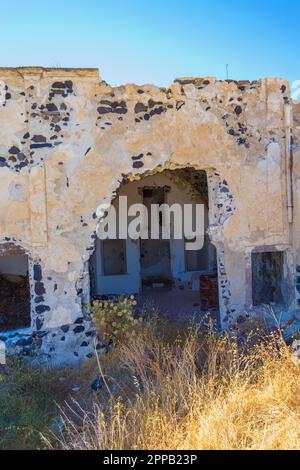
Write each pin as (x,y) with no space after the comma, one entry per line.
(66,141)
(296,197)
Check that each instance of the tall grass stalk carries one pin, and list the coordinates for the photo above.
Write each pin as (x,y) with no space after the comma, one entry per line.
(194,392)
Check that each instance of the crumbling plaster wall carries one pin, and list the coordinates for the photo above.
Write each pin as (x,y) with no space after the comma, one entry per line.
(296,196)
(67,139)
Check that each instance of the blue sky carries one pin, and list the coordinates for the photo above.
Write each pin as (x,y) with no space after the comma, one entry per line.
(154,41)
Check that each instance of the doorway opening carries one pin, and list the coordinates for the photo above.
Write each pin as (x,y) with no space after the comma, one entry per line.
(267,269)
(180,280)
(14,292)
(155,257)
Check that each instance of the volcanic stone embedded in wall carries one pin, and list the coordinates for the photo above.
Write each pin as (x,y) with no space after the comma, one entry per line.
(224,286)
(224,202)
(15,159)
(66,345)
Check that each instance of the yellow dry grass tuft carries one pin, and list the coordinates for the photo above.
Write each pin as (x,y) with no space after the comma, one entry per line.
(195,392)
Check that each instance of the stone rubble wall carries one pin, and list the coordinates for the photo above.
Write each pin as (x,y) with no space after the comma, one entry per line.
(66,141)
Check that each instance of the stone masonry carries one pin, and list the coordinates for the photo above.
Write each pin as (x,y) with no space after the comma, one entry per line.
(67,140)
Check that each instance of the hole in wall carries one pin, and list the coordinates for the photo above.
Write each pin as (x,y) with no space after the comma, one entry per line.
(267,277)
(14,292)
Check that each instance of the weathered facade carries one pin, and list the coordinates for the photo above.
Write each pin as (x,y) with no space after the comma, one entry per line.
(67,142)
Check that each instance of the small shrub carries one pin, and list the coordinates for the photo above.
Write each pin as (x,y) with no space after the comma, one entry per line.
(115,319)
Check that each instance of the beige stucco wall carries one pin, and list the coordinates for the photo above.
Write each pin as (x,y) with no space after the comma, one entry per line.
(296,196)
(73,156)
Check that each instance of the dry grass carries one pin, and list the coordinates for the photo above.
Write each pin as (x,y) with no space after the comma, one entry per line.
(193,392)
(28,405)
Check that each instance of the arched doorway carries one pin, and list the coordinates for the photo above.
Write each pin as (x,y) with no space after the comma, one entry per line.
(178,280)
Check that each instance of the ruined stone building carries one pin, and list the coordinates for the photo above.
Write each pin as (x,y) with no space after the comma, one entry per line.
(69,142)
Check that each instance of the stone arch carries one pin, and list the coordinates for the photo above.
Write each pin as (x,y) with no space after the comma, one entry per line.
(221,208)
